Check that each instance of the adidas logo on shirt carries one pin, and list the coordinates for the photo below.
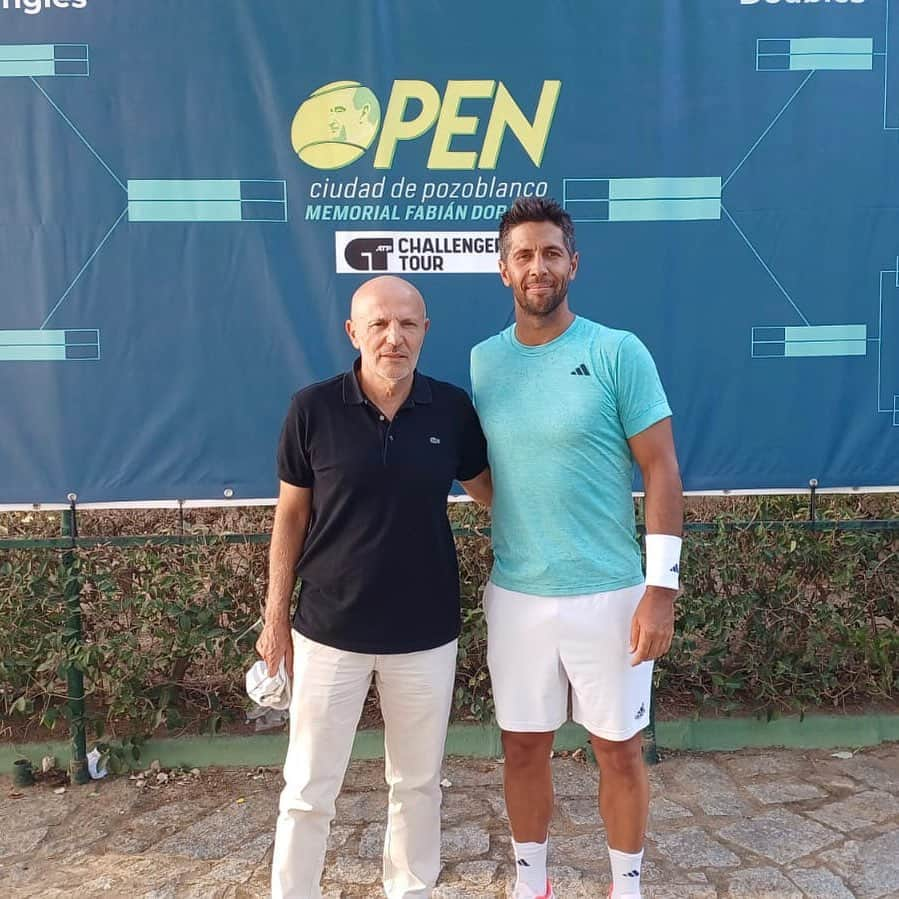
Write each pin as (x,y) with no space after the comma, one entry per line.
(581,370)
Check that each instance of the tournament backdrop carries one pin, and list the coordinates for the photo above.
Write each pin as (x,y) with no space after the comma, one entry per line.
(191,191)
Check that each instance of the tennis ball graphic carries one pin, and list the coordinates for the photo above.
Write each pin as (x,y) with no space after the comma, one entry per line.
(335,125)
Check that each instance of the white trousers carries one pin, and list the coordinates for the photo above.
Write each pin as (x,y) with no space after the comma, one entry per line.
(329,690)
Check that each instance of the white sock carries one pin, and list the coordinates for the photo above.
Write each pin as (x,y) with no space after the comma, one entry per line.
(530,865)
(625,873)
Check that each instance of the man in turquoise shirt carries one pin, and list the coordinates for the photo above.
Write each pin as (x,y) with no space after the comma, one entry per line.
(567,406)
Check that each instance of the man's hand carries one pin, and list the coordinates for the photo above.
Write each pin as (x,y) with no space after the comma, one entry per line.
(274,644)
(652,626)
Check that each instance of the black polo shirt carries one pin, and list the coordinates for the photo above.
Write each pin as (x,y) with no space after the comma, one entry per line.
(378,567)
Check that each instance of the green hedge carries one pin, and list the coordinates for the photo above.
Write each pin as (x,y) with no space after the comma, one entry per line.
(770,620)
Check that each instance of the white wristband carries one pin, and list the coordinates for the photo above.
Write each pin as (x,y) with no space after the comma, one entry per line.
(663,560)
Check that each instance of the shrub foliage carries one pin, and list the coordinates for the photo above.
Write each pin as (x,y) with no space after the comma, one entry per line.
(770,620)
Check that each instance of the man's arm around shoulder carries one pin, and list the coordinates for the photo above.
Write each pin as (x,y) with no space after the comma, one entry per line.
(288,537)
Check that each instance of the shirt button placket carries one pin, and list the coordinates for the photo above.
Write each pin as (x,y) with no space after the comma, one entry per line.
(382,423)
(388,439)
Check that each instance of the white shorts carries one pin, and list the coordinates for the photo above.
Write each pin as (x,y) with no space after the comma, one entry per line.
(539,646)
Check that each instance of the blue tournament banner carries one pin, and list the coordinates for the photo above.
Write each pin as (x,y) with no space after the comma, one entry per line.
(191,192)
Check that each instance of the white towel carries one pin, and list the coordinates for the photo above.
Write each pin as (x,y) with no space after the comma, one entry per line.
(273,692)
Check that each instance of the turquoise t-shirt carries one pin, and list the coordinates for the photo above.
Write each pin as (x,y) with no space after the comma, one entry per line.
(557,418)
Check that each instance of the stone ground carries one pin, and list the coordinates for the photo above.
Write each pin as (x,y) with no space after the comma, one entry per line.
(739,824)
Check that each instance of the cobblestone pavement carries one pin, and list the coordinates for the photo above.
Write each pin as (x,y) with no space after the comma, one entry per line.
(740,824)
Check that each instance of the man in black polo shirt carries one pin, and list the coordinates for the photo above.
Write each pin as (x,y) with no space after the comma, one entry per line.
(366,460)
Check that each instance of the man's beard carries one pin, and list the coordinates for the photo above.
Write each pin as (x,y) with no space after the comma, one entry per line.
(543,306)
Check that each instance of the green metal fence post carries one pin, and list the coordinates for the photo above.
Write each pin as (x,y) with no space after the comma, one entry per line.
(74,676)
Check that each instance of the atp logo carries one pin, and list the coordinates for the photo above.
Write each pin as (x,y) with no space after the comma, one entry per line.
(367,254)
(337,123)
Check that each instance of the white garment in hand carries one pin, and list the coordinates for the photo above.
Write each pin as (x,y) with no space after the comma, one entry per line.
(273,692)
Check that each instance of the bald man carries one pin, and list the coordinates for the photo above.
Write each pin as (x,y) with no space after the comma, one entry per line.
(366,460)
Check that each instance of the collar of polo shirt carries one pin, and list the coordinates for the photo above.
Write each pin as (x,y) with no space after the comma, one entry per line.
(353,395)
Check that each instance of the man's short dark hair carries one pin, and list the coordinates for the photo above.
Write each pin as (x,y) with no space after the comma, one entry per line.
(535,209)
